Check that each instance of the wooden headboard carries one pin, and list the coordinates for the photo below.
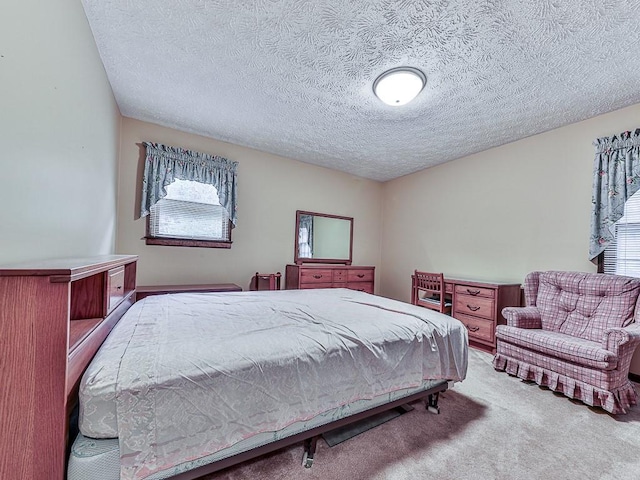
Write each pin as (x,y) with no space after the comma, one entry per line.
(54,315)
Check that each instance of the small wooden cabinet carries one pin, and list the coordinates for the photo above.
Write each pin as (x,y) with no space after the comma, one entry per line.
(54,315)
(330,276)
(479,306)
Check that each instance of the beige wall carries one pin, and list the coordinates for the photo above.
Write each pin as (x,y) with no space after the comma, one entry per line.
(271,189)
(498,214)
(59,134)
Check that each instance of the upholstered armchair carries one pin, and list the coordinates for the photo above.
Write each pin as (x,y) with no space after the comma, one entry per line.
(576,336)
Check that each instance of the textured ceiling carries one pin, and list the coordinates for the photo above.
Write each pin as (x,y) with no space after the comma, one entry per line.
(294,77)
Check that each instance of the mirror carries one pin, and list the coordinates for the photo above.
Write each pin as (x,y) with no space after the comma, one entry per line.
(323,238)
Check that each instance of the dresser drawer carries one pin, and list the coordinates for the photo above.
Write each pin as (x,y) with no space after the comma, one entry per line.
(475,291)
(476,306)
(317,285)
(478,328)
(115,287)
(361,286)
(340,275)
(360,275)
(315,275)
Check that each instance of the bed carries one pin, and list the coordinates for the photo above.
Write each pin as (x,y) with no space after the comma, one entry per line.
(189,383)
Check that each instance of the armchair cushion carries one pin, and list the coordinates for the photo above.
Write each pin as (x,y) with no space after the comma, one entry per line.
(559,345)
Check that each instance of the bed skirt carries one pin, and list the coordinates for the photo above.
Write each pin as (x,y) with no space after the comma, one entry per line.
(617,401)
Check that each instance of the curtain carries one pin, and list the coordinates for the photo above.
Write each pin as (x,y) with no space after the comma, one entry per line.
(616,177)
(165,164)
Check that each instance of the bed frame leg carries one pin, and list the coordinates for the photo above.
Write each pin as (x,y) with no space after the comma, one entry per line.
(432,403)
(309,451)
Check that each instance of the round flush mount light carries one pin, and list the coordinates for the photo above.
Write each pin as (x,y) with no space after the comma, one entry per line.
(399,86)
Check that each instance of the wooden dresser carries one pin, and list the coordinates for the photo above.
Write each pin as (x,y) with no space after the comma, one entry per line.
(479,305)
(54,315)
(330,276)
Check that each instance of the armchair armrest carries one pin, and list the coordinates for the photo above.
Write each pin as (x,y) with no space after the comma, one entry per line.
(522,317)
(615,339)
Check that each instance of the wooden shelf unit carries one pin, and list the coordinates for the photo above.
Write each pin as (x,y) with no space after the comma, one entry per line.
(54,315)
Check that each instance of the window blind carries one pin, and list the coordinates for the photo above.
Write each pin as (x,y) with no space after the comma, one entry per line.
(622,256)
(190,210)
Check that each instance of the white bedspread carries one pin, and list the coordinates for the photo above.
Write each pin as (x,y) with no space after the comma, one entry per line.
(187,375)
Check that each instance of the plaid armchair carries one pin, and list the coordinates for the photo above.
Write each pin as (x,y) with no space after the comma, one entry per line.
(576,336)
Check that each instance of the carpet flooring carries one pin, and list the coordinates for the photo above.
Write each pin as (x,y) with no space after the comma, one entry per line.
(491,426)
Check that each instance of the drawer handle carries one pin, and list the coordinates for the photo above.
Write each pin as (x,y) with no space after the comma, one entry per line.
(360,275)
(473,292)
(317,276)
(472,329)
(361,289)
(473,309)
(119,287)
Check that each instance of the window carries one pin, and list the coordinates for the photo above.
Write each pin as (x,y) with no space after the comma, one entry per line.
(622,255)
(190,215)
(188,197)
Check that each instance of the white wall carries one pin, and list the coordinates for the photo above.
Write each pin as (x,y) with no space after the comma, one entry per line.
(59,135)
(270,190)
(498,214)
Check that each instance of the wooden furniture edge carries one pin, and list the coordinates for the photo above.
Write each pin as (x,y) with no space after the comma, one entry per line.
(479,283)
(85,267)
(330,266)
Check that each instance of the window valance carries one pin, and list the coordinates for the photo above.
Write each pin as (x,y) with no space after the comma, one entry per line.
(616,177)
(164,164)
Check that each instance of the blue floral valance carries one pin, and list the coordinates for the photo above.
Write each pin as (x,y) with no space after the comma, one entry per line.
(616,177)
(164,164)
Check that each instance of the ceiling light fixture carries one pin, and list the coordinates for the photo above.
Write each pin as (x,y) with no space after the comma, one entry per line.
(399,86)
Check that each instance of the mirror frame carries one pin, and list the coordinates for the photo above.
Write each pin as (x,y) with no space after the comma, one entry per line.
(300,260)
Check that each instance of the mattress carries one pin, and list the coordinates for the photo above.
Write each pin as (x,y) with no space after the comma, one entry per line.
(187,375)
(99,459)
